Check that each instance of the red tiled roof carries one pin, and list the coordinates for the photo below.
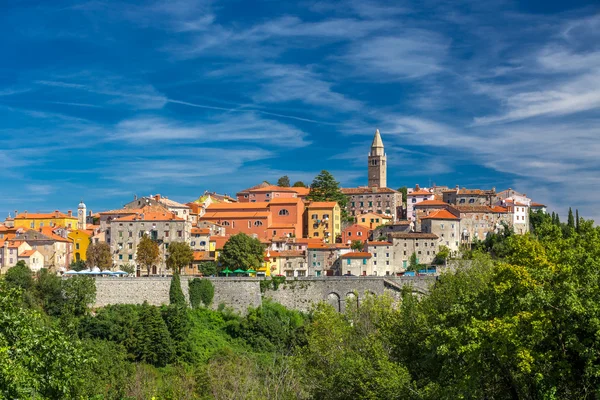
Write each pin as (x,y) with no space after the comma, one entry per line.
(15,243)
(537,205)
(272,188)
(498,209)
(420,192)
(356,254)
(151,216)
(233,215)
(379,243)
(200,231)
(413,235)
(27,253)
(441,214)
(301,191)
(426,203)
(291,253)
(202,256)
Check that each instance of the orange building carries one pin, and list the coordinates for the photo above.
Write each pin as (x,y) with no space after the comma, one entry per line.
(355,232)
(279,217)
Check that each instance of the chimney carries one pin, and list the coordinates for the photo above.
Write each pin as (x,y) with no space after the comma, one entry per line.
(157,197)
(25,212)
(56,212)
(135,197)
(70,213)
(417,187)
(16,213)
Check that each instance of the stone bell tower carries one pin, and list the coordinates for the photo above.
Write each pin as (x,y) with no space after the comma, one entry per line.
(81,210)
(377,163)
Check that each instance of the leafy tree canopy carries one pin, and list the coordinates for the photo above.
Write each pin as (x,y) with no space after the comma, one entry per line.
(98,255)
(284,181)
(325,188)
(147,253)
(180,256)
(242,251)
(299,184)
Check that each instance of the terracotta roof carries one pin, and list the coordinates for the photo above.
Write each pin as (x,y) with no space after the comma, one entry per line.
(121,211)
(413,235)
(357,254)
(171,203)
(219,241)
(367,190)
(301,191)
(375,214)
(537,205)
(355,226)
(260,185)
(233,215)
(420,192)
(322,204)
(200,231)
(238,206)
(15,243)
(379,244)
(151,216)
(272,188)
(498,209)
(27,253)
(426,203)
(472,192)
(441,214)
(202,256)
(42,234)
(53,215)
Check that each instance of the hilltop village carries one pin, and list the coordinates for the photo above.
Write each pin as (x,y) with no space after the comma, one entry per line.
(370,230)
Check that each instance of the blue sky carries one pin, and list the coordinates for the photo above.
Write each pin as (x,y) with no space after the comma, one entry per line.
(102,100)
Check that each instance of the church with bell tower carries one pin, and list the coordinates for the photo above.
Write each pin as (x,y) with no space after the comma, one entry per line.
(377,163)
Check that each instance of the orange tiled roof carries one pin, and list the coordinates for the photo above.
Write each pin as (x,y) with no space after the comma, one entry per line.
(301,191)
(441,214)
(219,241)
(151,216)
(53,215)
(202,256)
(231,215)
(357,254)
(12,244)
(420,192)
(121,211)
(498,209)
(201,231)
(379,243)
(291,253)
(49,231)
(426,203)
(413,235)
(27,253)
(285,200)
(537,205)
(355,226)
(322,204)
(271,188)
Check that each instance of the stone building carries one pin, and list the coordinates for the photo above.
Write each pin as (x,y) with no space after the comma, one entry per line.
(162,227)
(377,163)
(292,263)
(382,259)
(380,200)
(382,232)
(446,226)
(200,239)
(56,250)
(424,208)
(180,210)
(468,197)
(323,258)
(424,245)
(477,221)
(355,263)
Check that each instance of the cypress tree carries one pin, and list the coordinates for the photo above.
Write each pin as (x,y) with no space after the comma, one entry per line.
(557,219)
(571,219)
(175,293)
(577,220)
(553,218)
(153,342)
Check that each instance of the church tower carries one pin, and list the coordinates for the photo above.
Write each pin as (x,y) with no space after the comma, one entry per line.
(81,210)
(377,163)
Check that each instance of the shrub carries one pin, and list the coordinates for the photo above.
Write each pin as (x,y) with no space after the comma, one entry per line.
(175,293)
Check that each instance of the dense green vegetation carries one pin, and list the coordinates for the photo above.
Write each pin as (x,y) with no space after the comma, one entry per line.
(518,319)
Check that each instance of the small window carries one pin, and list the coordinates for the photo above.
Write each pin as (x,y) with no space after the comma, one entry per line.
(284,212)
(314,216)
(225,223)
(471,200)
(350,233)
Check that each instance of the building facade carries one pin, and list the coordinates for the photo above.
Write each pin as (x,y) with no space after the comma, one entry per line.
(380,200)
(323,220)
(377,163)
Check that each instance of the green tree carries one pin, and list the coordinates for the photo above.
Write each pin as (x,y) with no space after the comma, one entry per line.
(357,245)
(79,294)
(413,263)
(442,255)
(577,220)
(404,191)
(179,325)
(153,343)
(130,269)
(77,265)
(242,251)
(98,255)
(147,253)
(299,184)
(284,181)
(208,268)
(194,292)
(206,292)
(571,219)
(325,188)
(180,255)
(19,276)
(176,296)
(49,292)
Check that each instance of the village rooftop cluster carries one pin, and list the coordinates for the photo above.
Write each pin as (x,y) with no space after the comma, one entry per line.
(300,237)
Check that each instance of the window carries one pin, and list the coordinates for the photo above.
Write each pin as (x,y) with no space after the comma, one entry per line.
(348,261)
(130,234)
(364,261)
(41,224)
(359,233)
(374,262)
(32,225)
(352,204)
(471,200)
(370,204)
(362,204)
(225,223)
(268,195)
(442,226)
(193,244)
(284,212)
(120,234)
(130,245)
(387,263)
(419,252)
(462,201)
(179,233)
(363,220)
(349,233)
(131,256)
(374,254)
(387,255)
(314,216)
(120,256)
(414,200)
(76,246)
(258,223)
(166,233)
(316,234)
(249,224)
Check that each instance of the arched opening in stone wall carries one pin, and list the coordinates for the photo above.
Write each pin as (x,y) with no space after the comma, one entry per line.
(334,300)
(154,270)
(351,300)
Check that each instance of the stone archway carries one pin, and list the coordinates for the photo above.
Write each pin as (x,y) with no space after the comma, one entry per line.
(334,299)
(351,299)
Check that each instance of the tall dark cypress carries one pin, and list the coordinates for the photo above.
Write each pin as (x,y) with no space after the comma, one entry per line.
(571,219)
(577,220)
(553,218)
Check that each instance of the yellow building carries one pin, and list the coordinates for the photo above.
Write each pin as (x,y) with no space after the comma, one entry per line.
(37,220)
(373,220)
(323,220)
(81,240)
